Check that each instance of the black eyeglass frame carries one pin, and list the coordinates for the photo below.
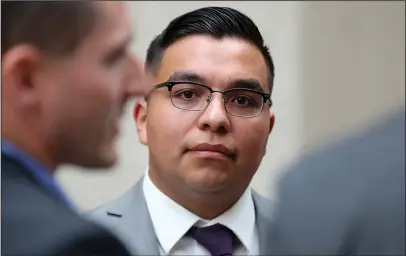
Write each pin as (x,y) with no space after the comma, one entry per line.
(169,84)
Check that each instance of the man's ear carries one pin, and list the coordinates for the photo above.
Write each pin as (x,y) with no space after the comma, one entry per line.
(140,118)
(271,125)
(272,121)
(18,74)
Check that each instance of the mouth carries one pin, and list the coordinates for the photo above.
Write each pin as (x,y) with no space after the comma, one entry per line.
(214,151)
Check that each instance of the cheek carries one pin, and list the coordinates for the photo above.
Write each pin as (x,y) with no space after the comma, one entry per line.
(100,79)
(252,140)
(100,89)
(166,128)
(87,104)
(94,97)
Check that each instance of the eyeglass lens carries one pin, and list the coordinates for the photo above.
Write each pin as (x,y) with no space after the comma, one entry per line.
(238,102)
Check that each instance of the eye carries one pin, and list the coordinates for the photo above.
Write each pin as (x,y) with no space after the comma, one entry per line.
(187,94)
(244,98)
(241,100)
(115,56)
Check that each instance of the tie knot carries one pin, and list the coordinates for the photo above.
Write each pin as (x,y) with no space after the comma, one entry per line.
(217,239)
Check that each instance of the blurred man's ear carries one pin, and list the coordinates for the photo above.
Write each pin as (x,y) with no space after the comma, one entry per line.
(19,65)
(140,118)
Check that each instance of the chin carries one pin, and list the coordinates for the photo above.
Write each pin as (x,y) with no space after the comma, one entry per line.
(205,187)
(100,164)
(208,180)
(108,159)
(102,160)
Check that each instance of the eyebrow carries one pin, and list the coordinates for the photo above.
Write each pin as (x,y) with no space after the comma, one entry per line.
(190,76)
(128,38)
(121,45)
(187,76)
(248,83)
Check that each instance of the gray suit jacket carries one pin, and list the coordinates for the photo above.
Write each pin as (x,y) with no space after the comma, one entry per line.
(347,199)
(128,217)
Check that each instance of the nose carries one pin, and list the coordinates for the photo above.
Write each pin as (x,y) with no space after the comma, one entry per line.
(135,79)
(215,117)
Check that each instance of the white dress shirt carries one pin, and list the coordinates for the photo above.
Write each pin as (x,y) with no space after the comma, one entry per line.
(171,221)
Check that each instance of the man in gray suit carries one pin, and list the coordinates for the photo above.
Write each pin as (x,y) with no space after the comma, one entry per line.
(348,199)
(206,126)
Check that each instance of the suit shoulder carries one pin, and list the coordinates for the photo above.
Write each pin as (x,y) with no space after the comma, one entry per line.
(108,208)
(107,214)
(103,216)
(34,222)
(380,149)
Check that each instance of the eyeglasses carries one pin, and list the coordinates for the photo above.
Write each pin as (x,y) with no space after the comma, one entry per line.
(241,102)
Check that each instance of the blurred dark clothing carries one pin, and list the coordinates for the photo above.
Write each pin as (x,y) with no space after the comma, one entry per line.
(37,171)
(346,199)
(36,221)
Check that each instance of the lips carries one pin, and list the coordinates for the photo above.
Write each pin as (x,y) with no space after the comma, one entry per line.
(214,148)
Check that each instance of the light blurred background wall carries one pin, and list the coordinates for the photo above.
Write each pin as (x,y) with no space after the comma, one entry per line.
(340,66)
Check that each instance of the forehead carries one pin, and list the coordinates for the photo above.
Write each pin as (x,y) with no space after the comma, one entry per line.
(112,26)
(217,60)
(113,13)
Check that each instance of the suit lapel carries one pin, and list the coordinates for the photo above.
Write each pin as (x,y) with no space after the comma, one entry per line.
(263,214)
(134,221)
(134,225)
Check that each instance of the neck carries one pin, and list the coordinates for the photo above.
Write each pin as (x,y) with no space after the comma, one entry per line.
(31,145)
(205,205)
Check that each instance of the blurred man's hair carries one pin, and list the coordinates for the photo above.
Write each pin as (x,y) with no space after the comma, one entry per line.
(218,22)
(54,27)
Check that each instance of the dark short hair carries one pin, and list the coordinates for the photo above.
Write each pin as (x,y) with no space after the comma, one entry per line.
(218,22)
(55,27)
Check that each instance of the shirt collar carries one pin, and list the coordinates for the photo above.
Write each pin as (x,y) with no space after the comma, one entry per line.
(177,220)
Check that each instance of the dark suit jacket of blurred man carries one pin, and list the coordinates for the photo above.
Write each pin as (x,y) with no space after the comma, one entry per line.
(38,220)
(347,199)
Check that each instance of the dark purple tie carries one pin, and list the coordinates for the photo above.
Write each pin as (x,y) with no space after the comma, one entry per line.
(217,239)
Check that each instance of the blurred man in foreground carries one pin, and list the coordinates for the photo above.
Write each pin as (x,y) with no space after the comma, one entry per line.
(346,200)
(66,74)
(206,126)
